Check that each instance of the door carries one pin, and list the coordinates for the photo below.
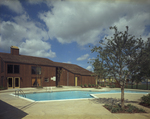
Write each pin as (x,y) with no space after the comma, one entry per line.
(36,82)
(33,82)
(76,81)
(10,82)
(17,82)
(39,82)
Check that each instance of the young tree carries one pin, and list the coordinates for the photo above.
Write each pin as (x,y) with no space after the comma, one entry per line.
(98,68)
(118,54)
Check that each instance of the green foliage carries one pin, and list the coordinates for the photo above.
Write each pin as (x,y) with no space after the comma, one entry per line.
(93,85)
(141,110)
(118,56)
(109,107)
(128,109)
(85,85)
(39,87)
(2,88)
(59,86)
(89,85)
(146,99)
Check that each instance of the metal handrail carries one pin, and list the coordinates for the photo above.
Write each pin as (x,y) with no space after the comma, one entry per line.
(21,91)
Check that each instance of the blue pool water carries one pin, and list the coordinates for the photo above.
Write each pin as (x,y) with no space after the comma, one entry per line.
(69,95)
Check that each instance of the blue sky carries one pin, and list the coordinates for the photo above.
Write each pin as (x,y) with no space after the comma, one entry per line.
(63,30)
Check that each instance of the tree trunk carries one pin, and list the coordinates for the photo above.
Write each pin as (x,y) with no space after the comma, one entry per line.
(122,96)
(147,85)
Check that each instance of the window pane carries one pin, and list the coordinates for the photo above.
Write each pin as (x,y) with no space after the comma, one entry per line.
(46,79)
(16,69)
(33,70)
(9,68)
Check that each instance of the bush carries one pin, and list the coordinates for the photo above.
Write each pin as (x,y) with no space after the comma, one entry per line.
(128,109)
(90,85)
(39,87)
(85,85)
(109,107)
(2,88)
(93,85)
(146,99)
(59,86)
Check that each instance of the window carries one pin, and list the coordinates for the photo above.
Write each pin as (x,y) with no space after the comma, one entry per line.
(13,69)
(16,69)
(9,68)
(2,66)
(36,70)
(46,80)
(2,78)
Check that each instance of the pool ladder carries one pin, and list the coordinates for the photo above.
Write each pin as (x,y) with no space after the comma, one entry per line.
(50,89)
(21,92)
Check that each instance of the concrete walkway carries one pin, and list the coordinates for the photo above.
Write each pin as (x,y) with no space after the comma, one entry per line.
(15,108)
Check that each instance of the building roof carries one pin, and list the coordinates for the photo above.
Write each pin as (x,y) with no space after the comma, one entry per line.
(25,59)
(43,61)
(75,68)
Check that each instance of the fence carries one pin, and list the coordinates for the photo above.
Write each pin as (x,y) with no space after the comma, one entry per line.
(142,86)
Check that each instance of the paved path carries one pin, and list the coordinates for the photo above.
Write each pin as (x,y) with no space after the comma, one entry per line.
(73,109)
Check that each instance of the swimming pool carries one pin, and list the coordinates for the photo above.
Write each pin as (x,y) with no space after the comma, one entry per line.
(63,95)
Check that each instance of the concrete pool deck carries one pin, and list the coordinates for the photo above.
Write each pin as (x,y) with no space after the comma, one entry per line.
(17,108)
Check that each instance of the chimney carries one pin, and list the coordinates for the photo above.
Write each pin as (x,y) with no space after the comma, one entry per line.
(14,50)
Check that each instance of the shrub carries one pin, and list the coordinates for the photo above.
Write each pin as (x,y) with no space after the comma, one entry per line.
(146,99)
(90,85)
(85,85)
(93,85)
(39,87)
(2,88)
(141,110)
(59,86)
(128,109)
(113,110)
(109,107)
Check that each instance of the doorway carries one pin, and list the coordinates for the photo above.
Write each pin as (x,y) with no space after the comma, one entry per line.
(36,82)
(76,81)
(17,82)
(13,82)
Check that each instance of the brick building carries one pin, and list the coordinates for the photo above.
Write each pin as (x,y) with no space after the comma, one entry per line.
(19,71)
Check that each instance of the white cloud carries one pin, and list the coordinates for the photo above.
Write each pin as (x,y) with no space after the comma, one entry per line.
(83,57)
(84,22)
(13,5)
(35,47)
(89,68)
(67,62)
(27,35)
(91,59)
